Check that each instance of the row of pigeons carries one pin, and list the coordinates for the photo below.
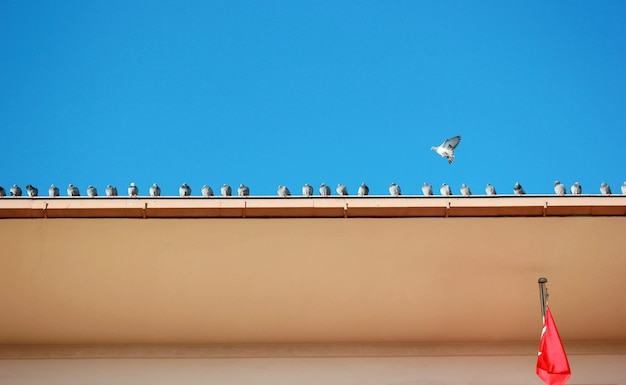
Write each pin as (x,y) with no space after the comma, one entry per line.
(283,191)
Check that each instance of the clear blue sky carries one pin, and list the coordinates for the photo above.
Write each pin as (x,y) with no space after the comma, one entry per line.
(289,92)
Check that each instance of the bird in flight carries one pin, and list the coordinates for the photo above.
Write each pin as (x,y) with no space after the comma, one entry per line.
(446,150)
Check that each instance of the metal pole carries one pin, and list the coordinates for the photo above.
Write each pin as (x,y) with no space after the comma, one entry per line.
(543,295)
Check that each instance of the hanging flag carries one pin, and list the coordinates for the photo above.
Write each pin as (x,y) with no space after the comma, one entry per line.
(552,365)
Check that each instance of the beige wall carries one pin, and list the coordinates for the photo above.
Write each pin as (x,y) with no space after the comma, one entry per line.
(95,281)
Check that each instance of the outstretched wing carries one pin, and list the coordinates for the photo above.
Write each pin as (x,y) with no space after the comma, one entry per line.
(451,143)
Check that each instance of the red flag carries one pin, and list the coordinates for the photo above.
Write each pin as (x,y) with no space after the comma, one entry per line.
(552,365)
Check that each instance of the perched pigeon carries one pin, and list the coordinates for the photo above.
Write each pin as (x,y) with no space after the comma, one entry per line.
(133,190)
(16,191)
(624,188)
(91,191)
(445,190)
(605,189)
(559,188)
(518,189)
(155,190)
(363,190)
(576,189)
(184,190)
(490,190)
(111,191)
(324,190)
(394,190)
(283,191)
(307,190)
(446,150)
(3,192)
(207,191)
(53,191)
(243,190)
(31,190)
(427,189)
(341,189)
(226,190)
(465,190)
(72,191)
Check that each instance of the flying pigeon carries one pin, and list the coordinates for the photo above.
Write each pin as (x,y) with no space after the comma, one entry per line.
(363,190)
(31,190)
(91,191)
(624,188)
(226,190)
(72,191)
(307,190)
(53,191)
(427,189)
(3,192)
(394,190)
(283,191)
(518,189)
(207,191)
(324,190)
(16,191)
(605,189)
(446,150)
(445,190)
(576,189)
(111,191)
(133,190)
(243,190)
(342,189)
(184,190)
(155,190)
(465,190)
(490,190)
(559,188)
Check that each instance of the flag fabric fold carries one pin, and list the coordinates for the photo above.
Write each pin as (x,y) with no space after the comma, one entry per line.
(552,365)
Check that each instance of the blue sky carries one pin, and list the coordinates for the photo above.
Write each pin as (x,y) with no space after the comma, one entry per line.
(292,92)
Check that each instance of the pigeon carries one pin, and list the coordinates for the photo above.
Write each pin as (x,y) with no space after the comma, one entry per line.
(363,190)
(283,191)
(446,150)
(207,191)
(324,190)
(243,190)
(155,190)
(394,190)
(91,191)
(133,191)
(307,190)
(72,191)
(490,190)
(445,190)
(184,190)
(16,191)
(111,191)
(342,189)
(465,190)
(518,189)
(576,189)
(624,188)
(427,189)
(605,189)
(3,192)
(53,191)
(31,190)
(559,188)
(226,190)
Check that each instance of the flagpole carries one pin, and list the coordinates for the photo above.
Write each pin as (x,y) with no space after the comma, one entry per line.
(543,296)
